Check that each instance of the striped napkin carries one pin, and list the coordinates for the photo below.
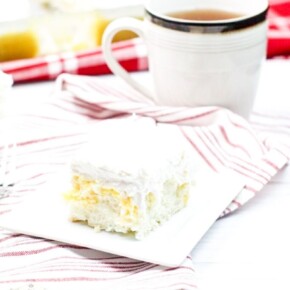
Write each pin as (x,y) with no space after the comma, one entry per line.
(132,54)
(220,138)
(47,136)
(50,132)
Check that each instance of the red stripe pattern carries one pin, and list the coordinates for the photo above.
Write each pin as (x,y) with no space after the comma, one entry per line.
(55,128)
(132,54)
(47,136)
(220,138)
(279,28)
(32,261)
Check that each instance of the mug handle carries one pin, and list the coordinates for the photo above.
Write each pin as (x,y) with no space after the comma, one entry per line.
(126,23)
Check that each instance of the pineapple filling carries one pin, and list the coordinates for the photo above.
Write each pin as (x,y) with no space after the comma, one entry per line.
(108,209)
(89,192)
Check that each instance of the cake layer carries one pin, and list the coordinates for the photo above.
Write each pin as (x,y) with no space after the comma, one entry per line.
(131,176)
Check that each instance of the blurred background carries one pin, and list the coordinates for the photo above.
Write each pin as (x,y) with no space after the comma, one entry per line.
(40,39)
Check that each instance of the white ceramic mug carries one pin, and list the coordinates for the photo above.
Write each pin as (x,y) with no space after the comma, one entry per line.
(198,62)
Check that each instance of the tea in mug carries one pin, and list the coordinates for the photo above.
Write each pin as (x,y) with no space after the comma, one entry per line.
(204,15)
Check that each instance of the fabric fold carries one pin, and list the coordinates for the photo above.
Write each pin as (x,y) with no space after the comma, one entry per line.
(219,137)
(55,128)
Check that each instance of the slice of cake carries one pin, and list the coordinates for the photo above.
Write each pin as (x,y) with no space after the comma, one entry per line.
(130,177)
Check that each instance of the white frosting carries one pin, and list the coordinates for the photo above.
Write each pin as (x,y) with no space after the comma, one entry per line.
(135,156)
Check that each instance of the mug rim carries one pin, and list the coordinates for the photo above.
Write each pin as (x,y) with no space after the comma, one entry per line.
(216,26)
(222,25)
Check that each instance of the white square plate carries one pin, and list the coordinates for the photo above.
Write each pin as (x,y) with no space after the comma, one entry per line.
(44,214)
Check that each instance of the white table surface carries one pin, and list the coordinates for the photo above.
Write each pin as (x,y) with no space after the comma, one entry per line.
(249,249)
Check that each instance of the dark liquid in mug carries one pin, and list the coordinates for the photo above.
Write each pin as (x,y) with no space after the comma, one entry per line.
(204,15)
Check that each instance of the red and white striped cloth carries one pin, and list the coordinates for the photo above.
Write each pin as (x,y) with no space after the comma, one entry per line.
(279,28)
(132,54)
(54,129)
(220,137)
